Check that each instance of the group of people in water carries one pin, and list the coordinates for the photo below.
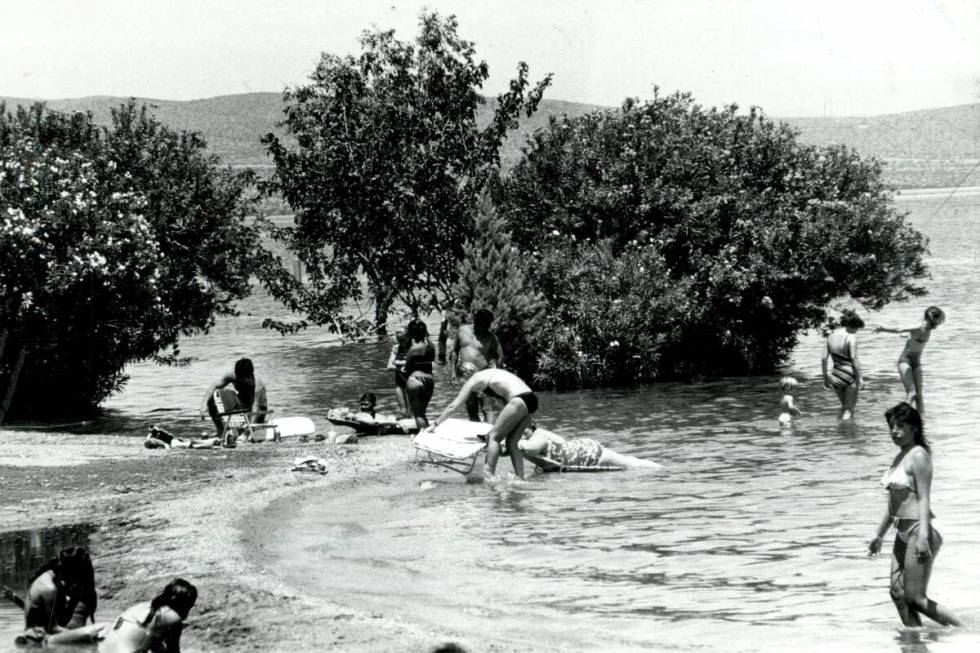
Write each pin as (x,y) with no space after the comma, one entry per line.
(61,601)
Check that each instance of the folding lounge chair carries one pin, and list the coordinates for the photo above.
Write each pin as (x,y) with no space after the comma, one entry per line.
(455,444)
(238,420)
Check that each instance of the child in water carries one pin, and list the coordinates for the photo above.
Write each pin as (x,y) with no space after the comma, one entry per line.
(788,385)
(910,360)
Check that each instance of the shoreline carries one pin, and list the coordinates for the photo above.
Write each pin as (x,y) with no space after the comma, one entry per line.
(194,514)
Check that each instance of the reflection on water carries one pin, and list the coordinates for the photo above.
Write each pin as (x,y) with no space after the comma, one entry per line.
(21,554)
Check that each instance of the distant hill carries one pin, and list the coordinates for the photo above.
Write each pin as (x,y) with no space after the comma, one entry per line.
(934,147)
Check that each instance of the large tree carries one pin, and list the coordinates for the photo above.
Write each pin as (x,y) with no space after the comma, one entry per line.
(762,232)
(114,241)
(389,157)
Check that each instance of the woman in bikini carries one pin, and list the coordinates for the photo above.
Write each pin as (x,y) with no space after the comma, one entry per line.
(519,403)
(841,368)
(61,600)
(418,366)
(152,625)
(917,542)
(910,361)
(551,452)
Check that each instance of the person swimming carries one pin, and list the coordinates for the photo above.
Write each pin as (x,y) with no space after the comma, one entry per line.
(910,360)
(789,410)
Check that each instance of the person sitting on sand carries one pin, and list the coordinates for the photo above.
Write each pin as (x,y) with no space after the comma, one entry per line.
(152,625)
(368,408)
(248,393)
(61,600)
(789,410)
(519,403)
(910,360)
(551,452)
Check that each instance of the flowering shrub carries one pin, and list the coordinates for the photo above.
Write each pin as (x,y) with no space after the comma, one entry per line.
(113,242)
(744,234)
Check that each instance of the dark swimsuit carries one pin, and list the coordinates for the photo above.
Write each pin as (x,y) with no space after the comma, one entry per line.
(530,400)
(419,367)
(401,376)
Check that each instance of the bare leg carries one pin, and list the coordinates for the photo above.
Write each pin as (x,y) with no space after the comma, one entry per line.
(509,421)
(402,401)
(917,580)
(917,381)
(850,401)
(473,407)
(905,373)
(83,635)
(418,400)
(610,457)
(908,616)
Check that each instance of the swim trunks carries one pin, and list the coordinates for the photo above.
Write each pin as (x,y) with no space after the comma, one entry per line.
(530,400)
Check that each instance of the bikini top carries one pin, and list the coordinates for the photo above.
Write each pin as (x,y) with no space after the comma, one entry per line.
(896,478)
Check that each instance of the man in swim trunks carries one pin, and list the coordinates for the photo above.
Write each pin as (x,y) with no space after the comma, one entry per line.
(475,348)
(519,404)
(250,392)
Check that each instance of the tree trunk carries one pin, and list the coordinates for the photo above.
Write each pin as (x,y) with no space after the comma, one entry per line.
(3,341)
(12,383)
(382,306)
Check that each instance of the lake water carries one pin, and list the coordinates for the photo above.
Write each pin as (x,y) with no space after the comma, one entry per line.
(749,539)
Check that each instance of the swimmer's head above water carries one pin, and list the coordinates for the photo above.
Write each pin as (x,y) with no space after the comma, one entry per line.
(788,384)
(935,316)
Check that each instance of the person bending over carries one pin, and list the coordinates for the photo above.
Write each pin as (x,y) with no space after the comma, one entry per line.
(519,403)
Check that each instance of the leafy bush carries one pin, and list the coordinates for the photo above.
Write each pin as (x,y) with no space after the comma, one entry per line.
(756,233)
(493,275)
(113,243)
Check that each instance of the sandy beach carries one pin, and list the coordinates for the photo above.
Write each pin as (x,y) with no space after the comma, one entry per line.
(185,513)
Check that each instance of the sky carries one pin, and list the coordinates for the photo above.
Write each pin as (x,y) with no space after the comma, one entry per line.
(792,58)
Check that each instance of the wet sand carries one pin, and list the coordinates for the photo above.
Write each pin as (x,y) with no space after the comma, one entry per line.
(185,513)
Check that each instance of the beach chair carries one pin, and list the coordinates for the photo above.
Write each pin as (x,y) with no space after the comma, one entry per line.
(455,444)
(237,419)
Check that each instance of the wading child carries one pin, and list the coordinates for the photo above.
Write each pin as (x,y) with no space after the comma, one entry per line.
(789,410)
(910,360)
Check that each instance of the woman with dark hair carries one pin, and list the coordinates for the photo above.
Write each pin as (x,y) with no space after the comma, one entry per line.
(910,360)
(917,542)
(418,367)
(153,625)
(841,368)
(396,362)
(61,599)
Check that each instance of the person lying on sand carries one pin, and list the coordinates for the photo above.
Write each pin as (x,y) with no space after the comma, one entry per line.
(159,438)
(551,452)
(152,625)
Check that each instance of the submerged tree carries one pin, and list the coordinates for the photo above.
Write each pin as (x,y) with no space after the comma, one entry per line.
(388,162)
(494,275)
(761,231)
(114,242)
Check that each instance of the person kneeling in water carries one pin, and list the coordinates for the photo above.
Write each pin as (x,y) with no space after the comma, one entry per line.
(551,452)
(152,625)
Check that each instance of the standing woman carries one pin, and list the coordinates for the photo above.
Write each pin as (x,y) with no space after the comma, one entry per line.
(396,361)
(908,482)
(910,361)
(418,368)
(841,368)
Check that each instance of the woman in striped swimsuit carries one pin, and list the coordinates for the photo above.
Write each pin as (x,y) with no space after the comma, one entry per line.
(841,368)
